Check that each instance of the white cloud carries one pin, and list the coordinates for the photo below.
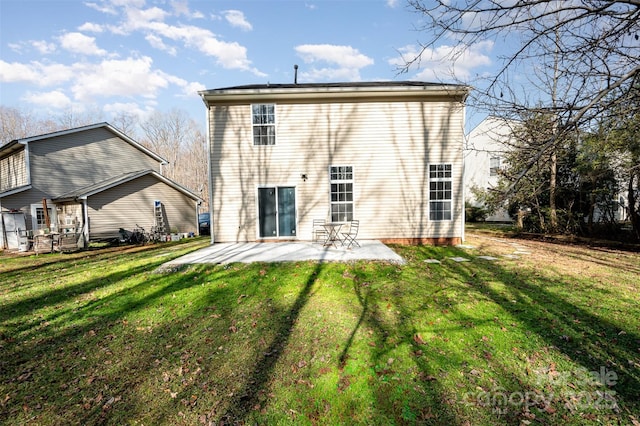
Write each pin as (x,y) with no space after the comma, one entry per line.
(181,8)
(230,55)
(16,47)
(344,62)
(392,3)
(129,77)
(141,18)
(329,74)
(103,8)
(157,43)
(80,43)
(343,56)
(90,27)
(237,19)
(43,47)
(16,72)
(445,61)
(35,73)
(192,89)
(54,99)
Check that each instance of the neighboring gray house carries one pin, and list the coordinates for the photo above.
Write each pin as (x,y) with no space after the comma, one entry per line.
(94,180)
(484,154)
(388,154)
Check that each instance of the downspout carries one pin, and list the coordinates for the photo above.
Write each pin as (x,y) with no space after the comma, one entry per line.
(85,227)
(464,171)
(209,177)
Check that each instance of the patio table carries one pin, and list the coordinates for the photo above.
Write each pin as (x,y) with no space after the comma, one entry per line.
(333,233)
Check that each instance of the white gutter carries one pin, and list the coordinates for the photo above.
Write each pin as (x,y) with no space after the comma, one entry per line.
(345,93)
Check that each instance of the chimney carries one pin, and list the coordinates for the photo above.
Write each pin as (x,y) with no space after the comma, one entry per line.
(295,74)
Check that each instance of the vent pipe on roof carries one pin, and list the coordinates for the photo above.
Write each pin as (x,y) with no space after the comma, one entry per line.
(295,74)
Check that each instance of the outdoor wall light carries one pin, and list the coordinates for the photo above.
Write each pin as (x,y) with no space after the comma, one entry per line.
(304,177)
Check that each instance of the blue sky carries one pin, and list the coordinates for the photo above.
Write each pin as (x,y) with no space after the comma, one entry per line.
(144,55)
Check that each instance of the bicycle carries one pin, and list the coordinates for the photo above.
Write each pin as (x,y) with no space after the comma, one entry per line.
(137,236)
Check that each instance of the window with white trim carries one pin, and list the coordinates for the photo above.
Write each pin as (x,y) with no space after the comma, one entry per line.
(494,165)
(341,179)
(263,117)
(40,220)
(440,192)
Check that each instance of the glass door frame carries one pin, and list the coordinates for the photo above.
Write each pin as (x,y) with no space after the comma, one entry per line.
(278,218)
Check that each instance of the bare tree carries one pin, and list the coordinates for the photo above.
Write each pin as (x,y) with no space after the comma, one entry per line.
(16,124)
(176,137)
(573,62)
(592,44)
(70,118)
(173,135)
(126,122)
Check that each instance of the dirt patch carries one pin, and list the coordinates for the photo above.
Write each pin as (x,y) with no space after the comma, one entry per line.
(562,255)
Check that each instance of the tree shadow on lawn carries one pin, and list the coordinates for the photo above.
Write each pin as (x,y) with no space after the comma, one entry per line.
(243,402)
(35,262)
(420,400)
(62,340)
(156,352)
(167,373)
(595,343)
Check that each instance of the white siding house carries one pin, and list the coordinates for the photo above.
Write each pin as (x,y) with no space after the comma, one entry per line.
(389,154)
(484,154)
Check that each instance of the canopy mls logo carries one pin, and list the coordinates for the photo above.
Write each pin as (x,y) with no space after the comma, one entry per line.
(579,389)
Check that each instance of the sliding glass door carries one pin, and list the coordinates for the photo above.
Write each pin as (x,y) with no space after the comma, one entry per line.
(277,211)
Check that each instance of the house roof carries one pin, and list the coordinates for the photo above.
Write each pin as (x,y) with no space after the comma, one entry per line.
(87,191)
(352,91)
(18,144)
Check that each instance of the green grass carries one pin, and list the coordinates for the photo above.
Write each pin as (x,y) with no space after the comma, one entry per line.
(101,338)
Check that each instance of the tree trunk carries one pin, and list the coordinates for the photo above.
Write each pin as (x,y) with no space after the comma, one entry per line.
(592,208)
(634,214)
(553,213)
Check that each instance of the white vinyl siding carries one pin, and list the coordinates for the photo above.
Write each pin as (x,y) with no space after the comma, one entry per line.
(389,144)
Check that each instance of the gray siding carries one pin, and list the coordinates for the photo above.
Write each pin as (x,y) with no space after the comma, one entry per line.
(389,144)
(13,171)
(75,160)
(132,203)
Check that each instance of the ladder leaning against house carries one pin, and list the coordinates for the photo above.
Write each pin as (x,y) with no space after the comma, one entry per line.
(160,223)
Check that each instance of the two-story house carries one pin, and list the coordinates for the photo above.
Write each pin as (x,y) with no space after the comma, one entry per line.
(389,154)
(93,180)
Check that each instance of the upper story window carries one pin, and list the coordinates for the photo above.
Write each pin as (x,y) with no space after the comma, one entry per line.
(494,165)
(341,179)
(440,192)
(263,117)
(13,171)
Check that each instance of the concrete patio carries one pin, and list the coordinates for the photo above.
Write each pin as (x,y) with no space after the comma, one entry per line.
(285,252)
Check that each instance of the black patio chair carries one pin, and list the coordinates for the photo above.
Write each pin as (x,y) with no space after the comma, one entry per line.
(349,238)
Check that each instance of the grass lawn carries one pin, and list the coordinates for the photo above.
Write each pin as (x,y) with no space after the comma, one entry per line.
(100,338)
